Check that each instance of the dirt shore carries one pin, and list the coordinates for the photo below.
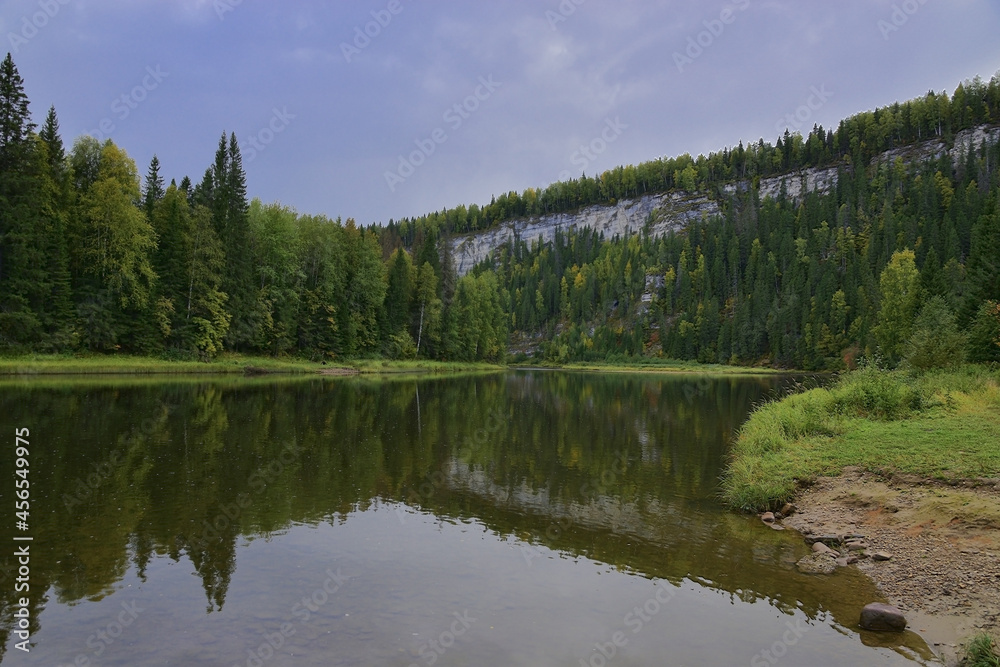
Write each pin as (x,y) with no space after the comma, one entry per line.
(944,542)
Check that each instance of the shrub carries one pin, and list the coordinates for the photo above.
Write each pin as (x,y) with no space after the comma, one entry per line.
(936,341)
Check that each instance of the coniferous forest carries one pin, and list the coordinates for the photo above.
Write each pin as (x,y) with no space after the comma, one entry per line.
(900,259)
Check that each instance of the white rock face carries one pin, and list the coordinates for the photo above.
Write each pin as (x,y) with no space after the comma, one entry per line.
(665,212)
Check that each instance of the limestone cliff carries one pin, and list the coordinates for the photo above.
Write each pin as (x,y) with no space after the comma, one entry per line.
(671,211)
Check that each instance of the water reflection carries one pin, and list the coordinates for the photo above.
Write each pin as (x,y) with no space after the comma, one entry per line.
(615,470)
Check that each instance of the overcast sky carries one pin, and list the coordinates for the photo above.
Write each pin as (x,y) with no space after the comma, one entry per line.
(447,102)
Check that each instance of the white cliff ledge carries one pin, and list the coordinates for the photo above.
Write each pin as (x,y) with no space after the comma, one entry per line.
(672,211)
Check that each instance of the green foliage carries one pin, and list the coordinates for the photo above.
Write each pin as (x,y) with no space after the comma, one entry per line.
(899,286)
(872,393)
(984,336)
(936,341)
(89,260)
(942,425)
(981,652)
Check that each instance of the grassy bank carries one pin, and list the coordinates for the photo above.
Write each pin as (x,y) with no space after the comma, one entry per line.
(227,364)
(234,364)
(666,366)
(367,366)
(981,653)
(940,425)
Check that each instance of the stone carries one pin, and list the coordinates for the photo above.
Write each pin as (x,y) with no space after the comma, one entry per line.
(882,617)
(817,564)
(829,540)
(856,546)
(881,556)
(820,548)
(767,517)
(842,562)
(775,526)
(788,509)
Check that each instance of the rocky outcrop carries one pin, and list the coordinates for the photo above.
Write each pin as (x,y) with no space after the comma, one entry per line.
(662,213)
(882,618)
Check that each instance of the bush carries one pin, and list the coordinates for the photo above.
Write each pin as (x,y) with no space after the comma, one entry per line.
(984,335)
(936,341)
(877,394)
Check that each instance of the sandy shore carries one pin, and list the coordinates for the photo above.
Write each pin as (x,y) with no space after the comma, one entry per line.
(944,573)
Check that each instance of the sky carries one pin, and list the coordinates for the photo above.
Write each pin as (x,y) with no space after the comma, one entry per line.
(383,109)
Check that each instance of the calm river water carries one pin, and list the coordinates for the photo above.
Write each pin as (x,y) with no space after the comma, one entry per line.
(519,518)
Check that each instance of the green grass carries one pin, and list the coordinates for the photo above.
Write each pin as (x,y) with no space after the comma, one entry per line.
(981,653)
(942,425)
(663,366)
(228,364)
(365,366)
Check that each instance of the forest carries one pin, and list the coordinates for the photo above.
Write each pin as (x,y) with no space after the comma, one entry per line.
(901,260)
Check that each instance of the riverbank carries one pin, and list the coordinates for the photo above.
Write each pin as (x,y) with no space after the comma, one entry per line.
(910,462)
(234,364)
(668,366)
(227,364)
(942,543)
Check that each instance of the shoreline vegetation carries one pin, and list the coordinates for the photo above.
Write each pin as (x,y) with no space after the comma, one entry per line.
(939,425)
(233,364)
(938,428)
(226,364)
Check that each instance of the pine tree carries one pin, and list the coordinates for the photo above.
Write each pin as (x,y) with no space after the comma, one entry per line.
(25,217)
(153,187)
(59,318)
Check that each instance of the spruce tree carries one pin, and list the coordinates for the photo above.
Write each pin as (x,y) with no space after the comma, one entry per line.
(24,205)
(153,188)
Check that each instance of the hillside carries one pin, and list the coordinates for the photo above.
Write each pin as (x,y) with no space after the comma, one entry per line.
(671,212)
(807,252)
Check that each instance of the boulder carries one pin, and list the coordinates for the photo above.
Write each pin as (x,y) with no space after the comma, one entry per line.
(819,563)
(788,509)
(820,548)
(881,556)
(767,517)
(882,617)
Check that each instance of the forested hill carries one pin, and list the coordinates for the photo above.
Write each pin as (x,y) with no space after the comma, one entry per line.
(889,250)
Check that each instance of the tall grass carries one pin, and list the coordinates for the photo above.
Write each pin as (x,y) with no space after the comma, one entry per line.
(981,653)
(861,420)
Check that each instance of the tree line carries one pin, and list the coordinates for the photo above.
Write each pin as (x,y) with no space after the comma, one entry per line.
(94,258)
(901,261)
